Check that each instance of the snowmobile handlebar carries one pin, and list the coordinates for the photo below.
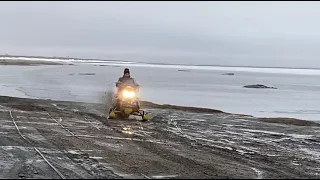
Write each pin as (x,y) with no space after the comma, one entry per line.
(122,85)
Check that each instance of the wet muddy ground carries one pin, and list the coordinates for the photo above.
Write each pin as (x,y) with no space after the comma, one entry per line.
(47,139)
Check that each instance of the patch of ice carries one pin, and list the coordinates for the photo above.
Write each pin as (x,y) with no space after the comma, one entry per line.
(300,136)
(71,126)
(200,120)
(95,157)
(153,141)
(7,163)
(6,121)
(239,120)
(233,125)
(272,155)
(7,127)
(196,134)
(295,163)
(36,137)
(4,110)
(25,117)
(87,136)
(311,152)
(234,133)
(241,151)
(222,147)
(265,132)
(262,141)
(72,152)
(228,141)
(49,151)
(164,176)
(253,150)
(258,172)
(107,166)
(281,139)
(116,146)
(7,147)
(29,161)
(40,123)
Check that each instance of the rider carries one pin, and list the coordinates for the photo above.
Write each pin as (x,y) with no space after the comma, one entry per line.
(126,79)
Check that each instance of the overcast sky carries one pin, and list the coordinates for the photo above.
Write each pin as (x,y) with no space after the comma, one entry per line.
(228,33)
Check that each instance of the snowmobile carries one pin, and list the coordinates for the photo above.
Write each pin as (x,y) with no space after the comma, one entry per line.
(126,104)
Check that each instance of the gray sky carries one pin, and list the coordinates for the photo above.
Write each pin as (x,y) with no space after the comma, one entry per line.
(229,33)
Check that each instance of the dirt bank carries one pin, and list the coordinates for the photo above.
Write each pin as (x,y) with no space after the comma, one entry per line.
(49,139)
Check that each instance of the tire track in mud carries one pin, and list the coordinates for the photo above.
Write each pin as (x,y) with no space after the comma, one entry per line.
(157,149)
(133,131)
(79,138)
(83,157)
(183,154)
(36,149)
(137,130)
(171,156)
(269,167)
(72,156)
(178,162)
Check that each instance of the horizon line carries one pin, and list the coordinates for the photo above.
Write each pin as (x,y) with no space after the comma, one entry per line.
(98,59)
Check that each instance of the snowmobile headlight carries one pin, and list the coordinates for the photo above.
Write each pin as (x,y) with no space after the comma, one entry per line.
(128,94)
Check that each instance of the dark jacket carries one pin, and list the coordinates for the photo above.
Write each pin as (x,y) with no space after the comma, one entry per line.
(127,81)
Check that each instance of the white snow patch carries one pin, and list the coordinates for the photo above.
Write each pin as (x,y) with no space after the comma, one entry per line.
(7,127)
(241,151)
(72,152)
(116,146)
(95,157)
(300,136)
(228,141)
(266,132)
(315,154)
(164,176)
(258,172)
(17,147)
(251,150)
(36,137)
(296,163)
(200,120)
(272,155)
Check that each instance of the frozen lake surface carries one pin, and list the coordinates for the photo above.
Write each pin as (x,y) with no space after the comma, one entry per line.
(297,95)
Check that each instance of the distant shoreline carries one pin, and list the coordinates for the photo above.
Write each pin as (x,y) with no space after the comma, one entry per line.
(97,59)
(27,63)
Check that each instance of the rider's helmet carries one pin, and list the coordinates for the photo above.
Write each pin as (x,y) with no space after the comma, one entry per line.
(126,72)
